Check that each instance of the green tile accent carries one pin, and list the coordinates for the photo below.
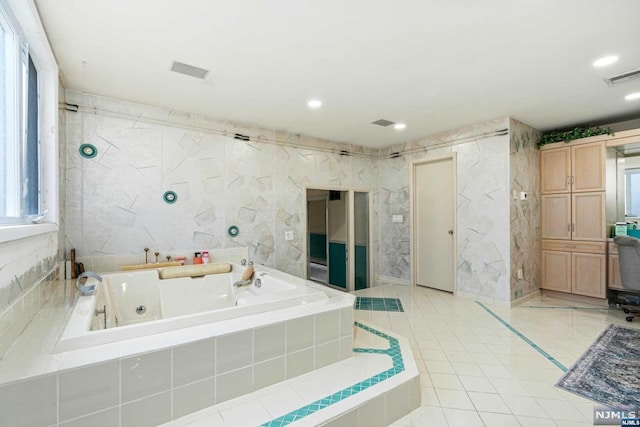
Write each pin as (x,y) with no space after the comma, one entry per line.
(378,304)
(338,264)
(525,339)
(398,366)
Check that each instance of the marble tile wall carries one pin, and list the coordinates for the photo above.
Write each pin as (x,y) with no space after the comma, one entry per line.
(524,214)
(483,252)
(114,203)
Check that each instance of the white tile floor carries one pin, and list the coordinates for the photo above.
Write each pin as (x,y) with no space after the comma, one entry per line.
(476,372)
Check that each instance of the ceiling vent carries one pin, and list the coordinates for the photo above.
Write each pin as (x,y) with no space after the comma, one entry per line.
(382,122)
(623,77)
(189,70)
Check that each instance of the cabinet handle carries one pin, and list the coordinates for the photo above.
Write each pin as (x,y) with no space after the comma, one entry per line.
(572,179)
(571,246)
(568,180)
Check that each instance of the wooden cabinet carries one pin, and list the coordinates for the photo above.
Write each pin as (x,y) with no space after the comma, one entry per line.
(589,274)
(614,280)
(555,216)
(573,218)
(588,216)
(578,168)
(574,267)
(556,271)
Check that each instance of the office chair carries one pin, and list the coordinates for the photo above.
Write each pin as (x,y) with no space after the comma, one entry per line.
(629,256)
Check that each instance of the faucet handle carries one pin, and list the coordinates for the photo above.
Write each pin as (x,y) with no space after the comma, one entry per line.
(250,263)
(243,261)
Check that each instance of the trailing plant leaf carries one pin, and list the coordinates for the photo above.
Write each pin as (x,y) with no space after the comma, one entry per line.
(573,134)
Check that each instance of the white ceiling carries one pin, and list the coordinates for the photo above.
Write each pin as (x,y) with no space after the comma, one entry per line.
(435,65)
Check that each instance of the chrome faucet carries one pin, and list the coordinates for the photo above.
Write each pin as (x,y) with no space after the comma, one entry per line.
(243,262)
(87,289)
(242,283)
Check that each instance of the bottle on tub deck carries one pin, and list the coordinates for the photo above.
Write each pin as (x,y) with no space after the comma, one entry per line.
(197,259)
(205,257)
(181,259)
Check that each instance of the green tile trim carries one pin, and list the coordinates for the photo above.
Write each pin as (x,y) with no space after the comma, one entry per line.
(398,366)
(378,304)
(565,308)
(525,339)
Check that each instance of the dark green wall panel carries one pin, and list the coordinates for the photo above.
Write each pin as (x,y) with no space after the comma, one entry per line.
(361,267)
(318,246)
(338,264)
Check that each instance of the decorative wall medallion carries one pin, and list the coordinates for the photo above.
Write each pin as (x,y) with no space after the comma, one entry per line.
(88,151)
(170,197)
(233,231)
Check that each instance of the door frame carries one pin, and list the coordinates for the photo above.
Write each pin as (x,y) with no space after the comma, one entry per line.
(351,278)
(412,208)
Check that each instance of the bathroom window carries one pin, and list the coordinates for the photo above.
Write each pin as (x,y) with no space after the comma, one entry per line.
(19,135)
(632,189)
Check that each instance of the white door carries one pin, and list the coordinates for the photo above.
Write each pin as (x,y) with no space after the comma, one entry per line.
(434,213)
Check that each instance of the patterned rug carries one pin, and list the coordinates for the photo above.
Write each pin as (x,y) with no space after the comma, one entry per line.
(608,372)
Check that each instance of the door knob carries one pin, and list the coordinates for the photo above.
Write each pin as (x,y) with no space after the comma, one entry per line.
(451,232)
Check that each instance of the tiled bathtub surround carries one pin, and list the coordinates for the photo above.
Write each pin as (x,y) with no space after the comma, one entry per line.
(151,380)
(111,263)
(17,316)
(375,387)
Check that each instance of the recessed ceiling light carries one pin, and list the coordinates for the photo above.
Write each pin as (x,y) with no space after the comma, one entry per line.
(314,103)
(605,60)
(399,126)
(632,96)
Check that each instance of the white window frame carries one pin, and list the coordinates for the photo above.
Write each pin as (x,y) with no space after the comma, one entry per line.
(629,196)
(26,16)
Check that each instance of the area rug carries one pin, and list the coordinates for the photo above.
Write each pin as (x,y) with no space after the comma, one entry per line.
(609,371)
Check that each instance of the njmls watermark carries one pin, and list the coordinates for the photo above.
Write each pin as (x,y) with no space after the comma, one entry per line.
(605,416)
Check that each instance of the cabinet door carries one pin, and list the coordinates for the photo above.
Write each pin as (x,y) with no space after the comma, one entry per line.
(589,275)
(588,167)
(555,171)
(588,216)
(613,270)
(556,271)
(556,216)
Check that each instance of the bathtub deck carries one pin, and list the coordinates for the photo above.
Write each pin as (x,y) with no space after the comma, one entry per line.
(295,402)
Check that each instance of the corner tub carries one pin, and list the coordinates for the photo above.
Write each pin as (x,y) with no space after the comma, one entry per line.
(135,304)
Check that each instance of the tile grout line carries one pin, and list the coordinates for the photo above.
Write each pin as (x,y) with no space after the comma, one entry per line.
(524,338)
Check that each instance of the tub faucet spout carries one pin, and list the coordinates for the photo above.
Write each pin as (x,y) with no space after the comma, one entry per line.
(81,285)
(242,283)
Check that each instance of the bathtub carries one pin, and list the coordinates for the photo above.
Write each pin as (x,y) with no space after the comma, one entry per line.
(138,303)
